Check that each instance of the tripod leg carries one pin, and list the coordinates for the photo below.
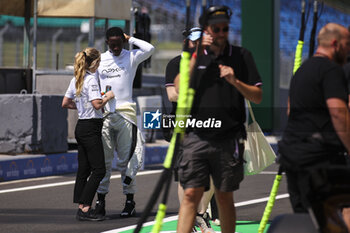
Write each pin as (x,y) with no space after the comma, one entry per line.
(162,207)
(271,201)
(152,200)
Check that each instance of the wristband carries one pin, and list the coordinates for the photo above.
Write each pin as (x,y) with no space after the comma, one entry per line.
(194,55)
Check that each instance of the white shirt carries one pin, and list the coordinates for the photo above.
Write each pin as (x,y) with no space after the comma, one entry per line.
(119,72)
(90,91)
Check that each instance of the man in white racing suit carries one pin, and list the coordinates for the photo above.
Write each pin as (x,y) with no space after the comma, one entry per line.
(117,70)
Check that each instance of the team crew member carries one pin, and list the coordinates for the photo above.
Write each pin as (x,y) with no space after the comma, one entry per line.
(172,70)
(227,75)
(347,75)
(84,94)
(318,129)
(117,69)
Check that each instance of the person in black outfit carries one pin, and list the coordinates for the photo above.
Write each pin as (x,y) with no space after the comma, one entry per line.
(347,75)
(226,75)
(318,129)
(171,71)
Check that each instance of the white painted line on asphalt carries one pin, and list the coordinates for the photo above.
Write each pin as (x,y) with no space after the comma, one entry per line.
(36,187)
(260,200)
(168,219)
(142,173)
(174,218)
(268,173)
(272,139)
(61,176)
(30,180)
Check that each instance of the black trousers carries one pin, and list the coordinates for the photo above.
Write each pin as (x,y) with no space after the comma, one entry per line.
(91,160)
(298,186)
(299,180)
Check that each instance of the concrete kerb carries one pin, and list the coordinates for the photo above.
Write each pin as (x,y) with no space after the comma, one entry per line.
(23,166)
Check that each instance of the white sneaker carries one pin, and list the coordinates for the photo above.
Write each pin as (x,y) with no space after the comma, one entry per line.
(216,222)
(203,223)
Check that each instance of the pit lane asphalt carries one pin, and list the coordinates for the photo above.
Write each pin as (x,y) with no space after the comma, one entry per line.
(45,204)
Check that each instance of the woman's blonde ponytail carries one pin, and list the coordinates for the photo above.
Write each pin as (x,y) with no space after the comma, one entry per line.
(84,60)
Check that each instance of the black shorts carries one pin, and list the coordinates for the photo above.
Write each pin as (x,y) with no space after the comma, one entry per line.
(219,159)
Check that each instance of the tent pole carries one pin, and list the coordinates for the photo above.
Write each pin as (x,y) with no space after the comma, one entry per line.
(106,28)
(35,25)
(92,32)
(132,22)
(26,43)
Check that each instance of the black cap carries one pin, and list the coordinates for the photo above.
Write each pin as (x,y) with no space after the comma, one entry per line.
(215,14)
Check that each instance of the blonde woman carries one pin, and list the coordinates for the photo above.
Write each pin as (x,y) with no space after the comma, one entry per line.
(84,95)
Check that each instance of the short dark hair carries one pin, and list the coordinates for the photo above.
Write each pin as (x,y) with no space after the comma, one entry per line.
(115,31)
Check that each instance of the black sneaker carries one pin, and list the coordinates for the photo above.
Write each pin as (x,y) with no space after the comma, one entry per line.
(100,208)
(90,215)
(129,209)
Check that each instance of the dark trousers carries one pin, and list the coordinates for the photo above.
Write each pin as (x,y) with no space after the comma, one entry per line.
(91,160)
(298,186)
(299,180)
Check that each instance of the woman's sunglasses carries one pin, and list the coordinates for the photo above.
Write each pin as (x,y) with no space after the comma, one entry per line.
(217,29)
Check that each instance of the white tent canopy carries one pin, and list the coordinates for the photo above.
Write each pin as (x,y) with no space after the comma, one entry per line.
(105,9)
(110,9)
